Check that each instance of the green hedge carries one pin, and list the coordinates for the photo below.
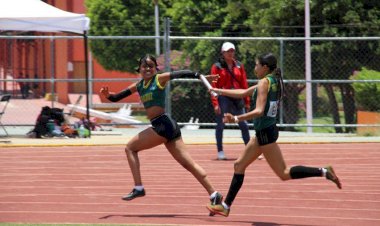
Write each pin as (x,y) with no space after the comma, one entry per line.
(367,94)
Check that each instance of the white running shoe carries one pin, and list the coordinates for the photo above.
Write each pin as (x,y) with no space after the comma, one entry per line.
(260,157)
(221,155)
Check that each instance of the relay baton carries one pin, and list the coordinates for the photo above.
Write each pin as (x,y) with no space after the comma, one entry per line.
(207,84)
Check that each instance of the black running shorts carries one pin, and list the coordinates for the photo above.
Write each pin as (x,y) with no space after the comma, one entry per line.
(166,127)
(267,135)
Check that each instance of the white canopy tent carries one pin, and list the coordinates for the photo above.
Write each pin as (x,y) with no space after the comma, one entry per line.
(36,15)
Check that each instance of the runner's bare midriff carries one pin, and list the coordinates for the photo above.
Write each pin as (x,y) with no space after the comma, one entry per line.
(154,111)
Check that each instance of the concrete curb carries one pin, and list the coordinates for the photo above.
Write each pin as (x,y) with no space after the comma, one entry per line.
(189,136)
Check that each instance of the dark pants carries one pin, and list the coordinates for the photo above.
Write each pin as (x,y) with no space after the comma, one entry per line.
(227,105)
(24,89)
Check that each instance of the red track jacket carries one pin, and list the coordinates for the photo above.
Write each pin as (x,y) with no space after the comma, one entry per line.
(228,81)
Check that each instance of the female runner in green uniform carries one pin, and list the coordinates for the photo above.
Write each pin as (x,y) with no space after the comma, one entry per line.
(164,130)
(266,96)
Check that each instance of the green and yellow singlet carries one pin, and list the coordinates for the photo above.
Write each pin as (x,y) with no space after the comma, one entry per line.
(271,106)
(152,93)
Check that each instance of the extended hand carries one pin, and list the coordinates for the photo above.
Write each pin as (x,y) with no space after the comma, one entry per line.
(216,90)
(228,118)
(104,91)
(212,78)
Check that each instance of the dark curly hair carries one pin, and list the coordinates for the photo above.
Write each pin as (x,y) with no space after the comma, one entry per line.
(144,60)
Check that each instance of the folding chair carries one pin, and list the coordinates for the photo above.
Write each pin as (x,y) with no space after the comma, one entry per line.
(4,100)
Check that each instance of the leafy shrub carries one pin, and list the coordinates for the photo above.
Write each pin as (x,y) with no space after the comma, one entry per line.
(191,99)
(367,94)
(321,104)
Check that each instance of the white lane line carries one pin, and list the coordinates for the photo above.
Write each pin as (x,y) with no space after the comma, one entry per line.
(131,213)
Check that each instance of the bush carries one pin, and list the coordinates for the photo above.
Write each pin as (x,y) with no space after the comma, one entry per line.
(367,94)
(321,103)
(191,100)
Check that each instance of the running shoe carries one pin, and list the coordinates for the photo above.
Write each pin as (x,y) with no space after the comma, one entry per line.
(330,175)
(216,200)
(221,155)
(260,157)
(134,194)
(218,209)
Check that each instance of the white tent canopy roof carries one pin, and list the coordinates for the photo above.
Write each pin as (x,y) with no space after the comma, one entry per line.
(35,15)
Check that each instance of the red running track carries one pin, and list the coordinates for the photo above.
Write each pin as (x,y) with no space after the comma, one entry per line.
(84,184)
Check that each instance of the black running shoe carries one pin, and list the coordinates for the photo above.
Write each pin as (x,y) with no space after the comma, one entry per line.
(134,194)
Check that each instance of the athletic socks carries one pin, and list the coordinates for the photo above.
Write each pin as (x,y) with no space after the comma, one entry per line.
(236,183)
(139,187)
(213,195)
(324,171)
(225,206)
(298,172)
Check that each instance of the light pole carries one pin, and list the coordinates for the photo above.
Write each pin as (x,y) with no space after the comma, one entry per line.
(157,27)
(309,104)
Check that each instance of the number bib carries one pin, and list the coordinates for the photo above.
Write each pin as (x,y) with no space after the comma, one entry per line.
(273,107)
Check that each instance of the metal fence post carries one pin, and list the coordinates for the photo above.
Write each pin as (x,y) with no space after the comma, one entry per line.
(52,52)
(282,71)
(168,106)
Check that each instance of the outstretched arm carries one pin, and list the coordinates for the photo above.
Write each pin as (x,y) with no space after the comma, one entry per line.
(262,89)
(235,93)
(166,76)
(118,96)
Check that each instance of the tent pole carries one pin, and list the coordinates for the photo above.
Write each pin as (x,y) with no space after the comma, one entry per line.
(85,39)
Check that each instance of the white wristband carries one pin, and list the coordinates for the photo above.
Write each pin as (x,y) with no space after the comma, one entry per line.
(236,119)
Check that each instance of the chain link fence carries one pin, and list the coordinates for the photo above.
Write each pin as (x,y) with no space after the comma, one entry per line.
(335,61)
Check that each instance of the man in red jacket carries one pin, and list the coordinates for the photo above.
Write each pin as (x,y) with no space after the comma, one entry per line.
(232,76)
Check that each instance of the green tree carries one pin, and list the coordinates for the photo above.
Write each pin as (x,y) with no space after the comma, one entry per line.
(331,60)
(199,18)
(247,18)
(273,18)
(121,18)
(367,94)
(337,59)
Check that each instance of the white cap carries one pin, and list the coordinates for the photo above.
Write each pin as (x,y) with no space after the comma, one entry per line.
(227,46)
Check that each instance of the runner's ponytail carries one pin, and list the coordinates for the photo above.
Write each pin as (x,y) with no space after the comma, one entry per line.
(280,83)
